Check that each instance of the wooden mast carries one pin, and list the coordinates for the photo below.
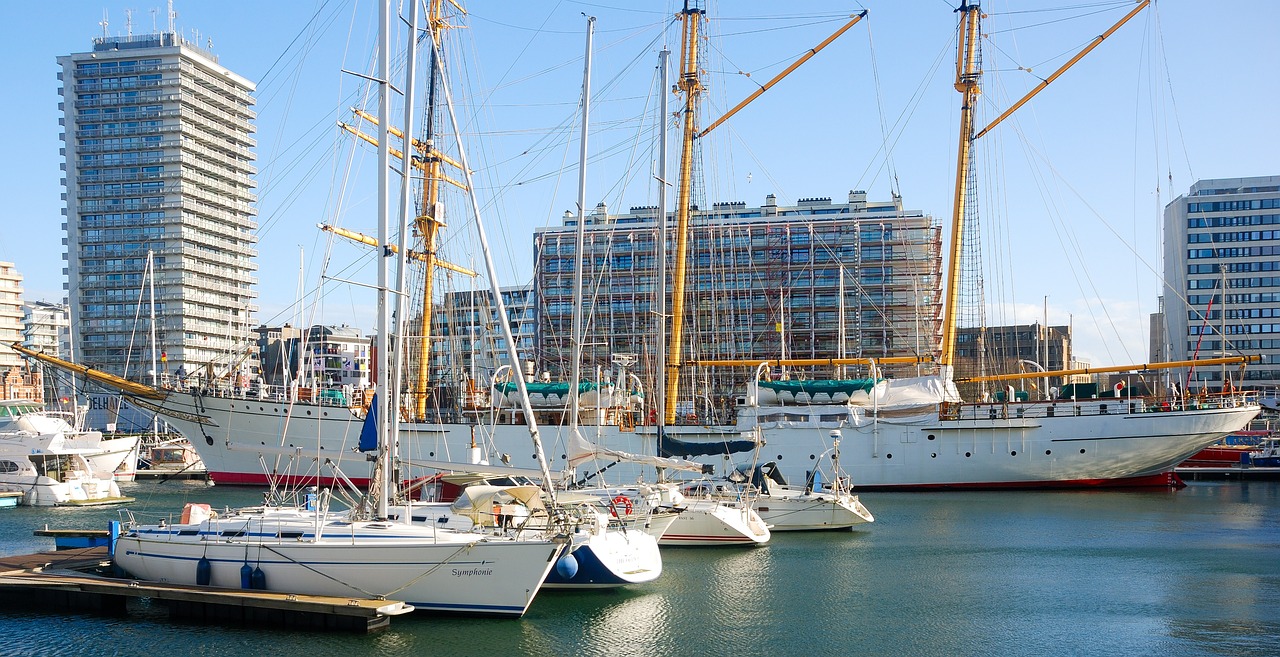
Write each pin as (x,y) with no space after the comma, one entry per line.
(692,87)
(428,223)
(967,77)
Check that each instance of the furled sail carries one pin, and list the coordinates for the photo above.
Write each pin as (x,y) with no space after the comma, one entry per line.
(581,449)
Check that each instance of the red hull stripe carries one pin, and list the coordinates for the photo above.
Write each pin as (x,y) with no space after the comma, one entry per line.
(719,539)
(1162,480)
(245,479)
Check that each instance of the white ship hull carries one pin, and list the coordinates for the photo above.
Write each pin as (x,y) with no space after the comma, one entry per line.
(1105,445)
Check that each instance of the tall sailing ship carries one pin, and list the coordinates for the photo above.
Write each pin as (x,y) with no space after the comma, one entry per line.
(904,433)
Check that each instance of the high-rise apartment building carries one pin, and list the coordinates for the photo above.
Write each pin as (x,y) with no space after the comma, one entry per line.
(10,315)
(46,327)
(1224,236)
(158,167)
(818,279)
(467,337)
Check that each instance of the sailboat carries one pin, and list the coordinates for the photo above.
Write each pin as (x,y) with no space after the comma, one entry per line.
(307,547)
(918,433)
(912,432)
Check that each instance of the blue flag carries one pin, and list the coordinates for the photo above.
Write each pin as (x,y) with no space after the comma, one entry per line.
(369,432)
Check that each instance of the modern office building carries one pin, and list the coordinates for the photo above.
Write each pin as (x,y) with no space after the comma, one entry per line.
(1224,236)
(158,169)
(818,279)
(10,315)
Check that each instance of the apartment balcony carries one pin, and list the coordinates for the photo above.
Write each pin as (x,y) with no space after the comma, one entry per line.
(221,85)
(140,99)
(90,133)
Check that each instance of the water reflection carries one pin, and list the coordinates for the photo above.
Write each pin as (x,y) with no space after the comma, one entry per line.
(1081,573)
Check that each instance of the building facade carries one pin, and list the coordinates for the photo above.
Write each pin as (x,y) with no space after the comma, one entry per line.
(467,339)
(1017,348)
(10,315)
(1222,278)
(318,357)
(158,169)
(818,279)
(46,327)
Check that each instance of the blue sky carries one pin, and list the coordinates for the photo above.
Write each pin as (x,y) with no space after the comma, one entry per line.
(1185,91)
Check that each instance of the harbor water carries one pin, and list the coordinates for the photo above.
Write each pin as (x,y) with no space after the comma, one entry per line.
(1188,572)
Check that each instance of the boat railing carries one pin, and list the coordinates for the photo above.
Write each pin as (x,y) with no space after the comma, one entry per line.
(1122,405)
(327,395)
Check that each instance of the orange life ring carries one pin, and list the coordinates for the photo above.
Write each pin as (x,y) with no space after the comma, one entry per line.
(620,501)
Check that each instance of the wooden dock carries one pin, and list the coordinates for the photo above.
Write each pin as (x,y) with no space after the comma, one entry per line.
(77,579)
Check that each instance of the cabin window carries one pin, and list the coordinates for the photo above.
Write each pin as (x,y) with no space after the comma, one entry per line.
(8,466)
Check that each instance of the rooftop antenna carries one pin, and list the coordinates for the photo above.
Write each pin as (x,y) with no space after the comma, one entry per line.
(128,22)
(104,24)
(173,15)
(153,20)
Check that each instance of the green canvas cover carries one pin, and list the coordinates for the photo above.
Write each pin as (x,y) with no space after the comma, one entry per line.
(822,386)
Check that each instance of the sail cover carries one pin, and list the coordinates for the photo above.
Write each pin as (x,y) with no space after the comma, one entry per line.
(671,447)
(369,431)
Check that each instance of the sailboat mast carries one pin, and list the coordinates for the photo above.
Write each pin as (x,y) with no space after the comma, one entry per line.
(692,87)
(394,383)
(428,224)
(499,305)
(575,367)
(663,113)
(967,78)
(386,406)
(151,279)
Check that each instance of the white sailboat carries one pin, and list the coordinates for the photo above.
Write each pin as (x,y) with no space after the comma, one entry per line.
(907,433)
(309,548)
(819,504)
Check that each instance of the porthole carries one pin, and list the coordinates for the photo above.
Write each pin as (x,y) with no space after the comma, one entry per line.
(931,436)
(326,413)
(967,454)
(275,410)
(1082,450)
(564,457)
(933,455)
(811,457)
(888,456)
(1013,453)
(260,409)
(432,454)
(308,412)
(779,457)
(1048,452)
